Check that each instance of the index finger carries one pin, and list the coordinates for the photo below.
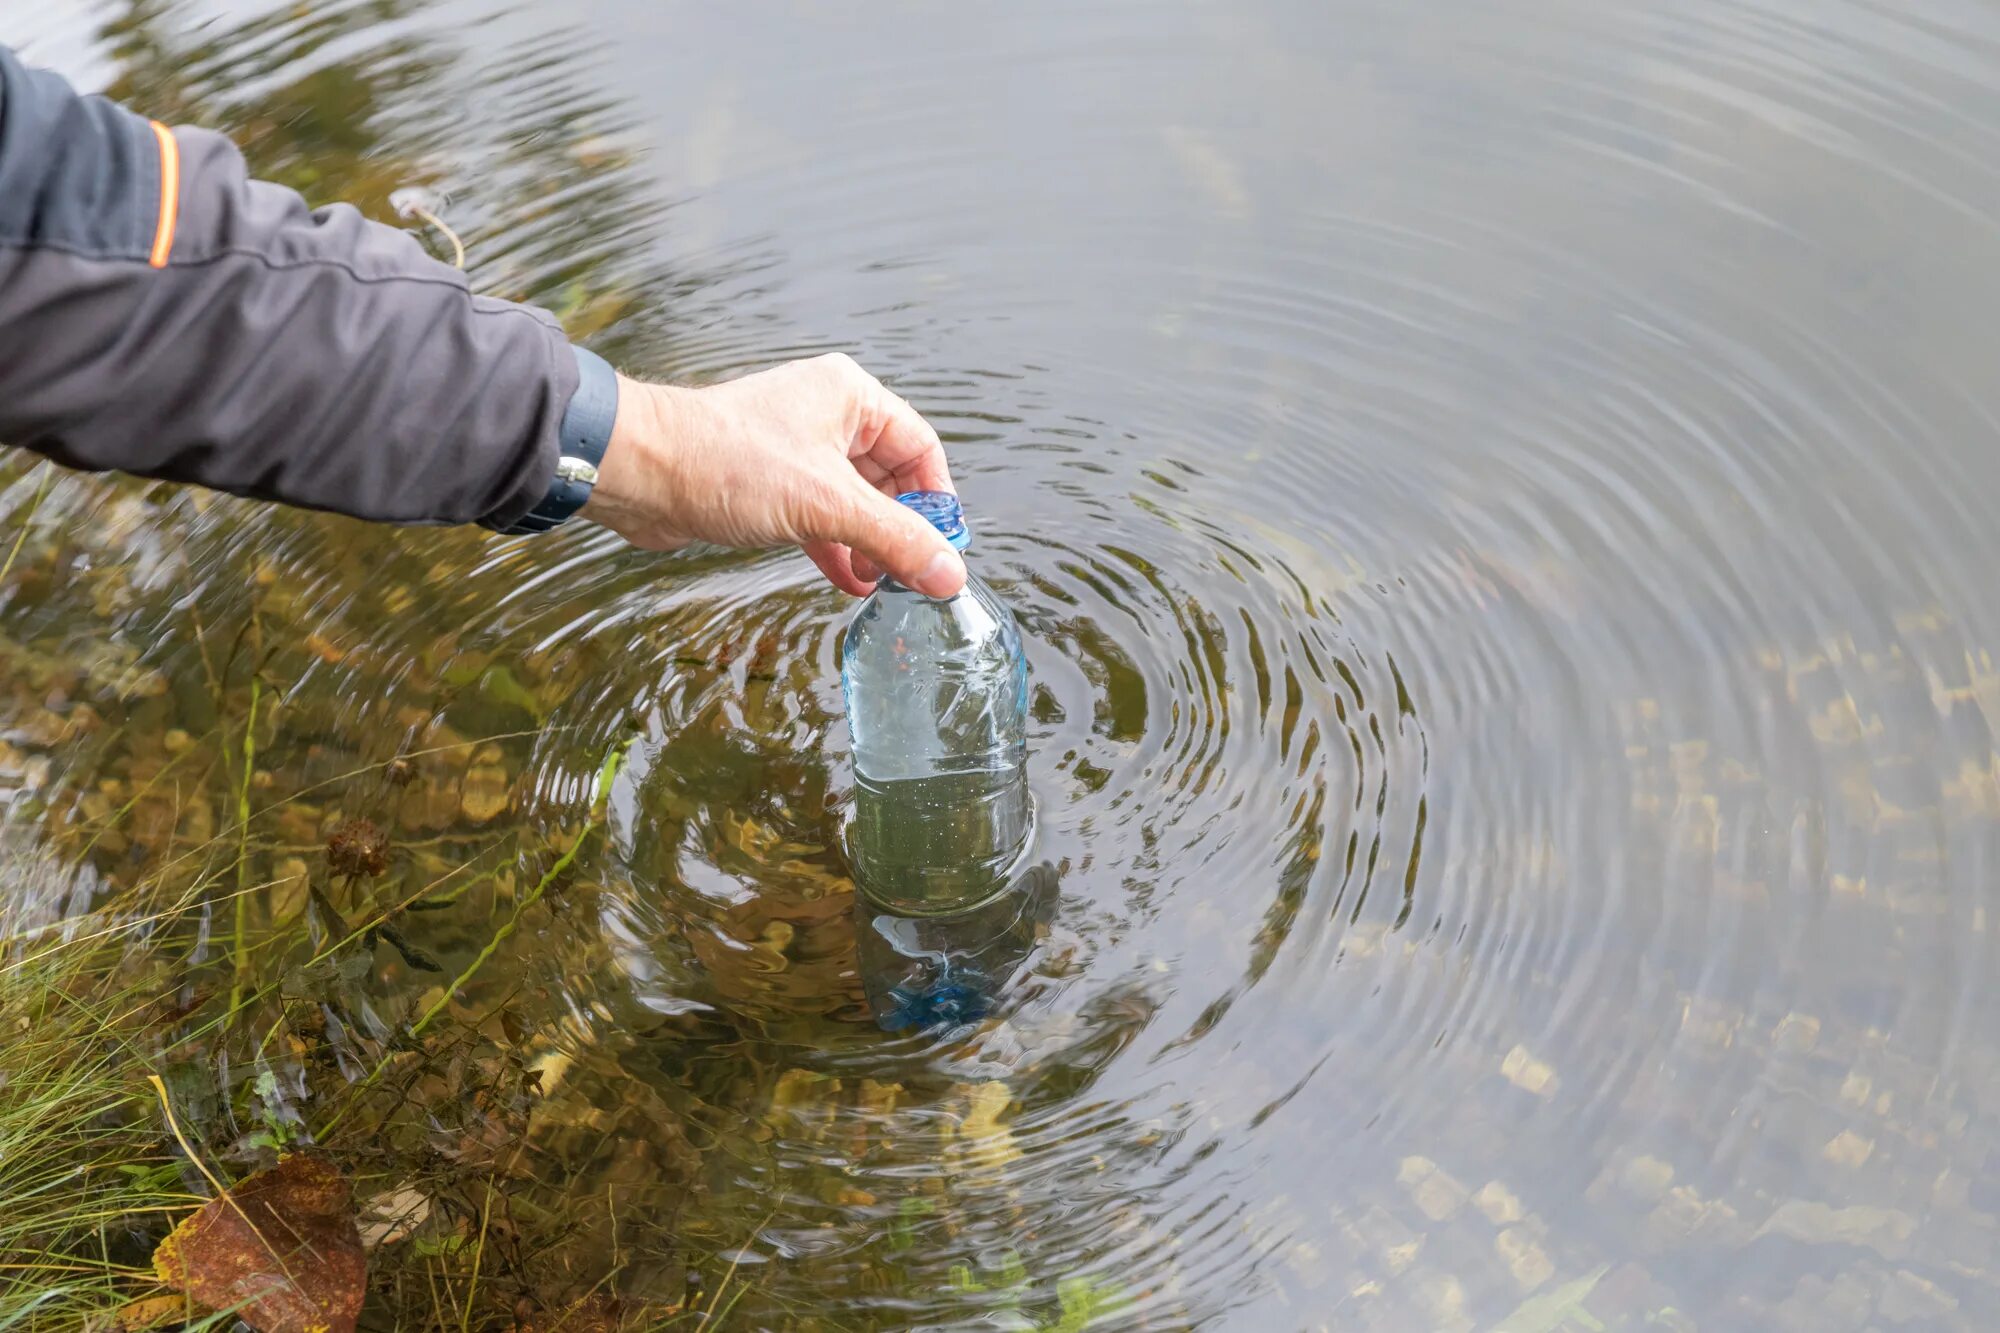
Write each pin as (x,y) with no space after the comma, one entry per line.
(904,449)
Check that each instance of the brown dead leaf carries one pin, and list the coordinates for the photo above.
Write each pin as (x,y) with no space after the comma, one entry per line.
(280,1249)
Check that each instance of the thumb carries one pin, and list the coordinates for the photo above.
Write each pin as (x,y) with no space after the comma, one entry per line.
(914,553)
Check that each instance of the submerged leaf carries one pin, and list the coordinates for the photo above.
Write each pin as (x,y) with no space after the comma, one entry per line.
(393,1215)
(1551,1309)
(280,1250)
(1086,1300)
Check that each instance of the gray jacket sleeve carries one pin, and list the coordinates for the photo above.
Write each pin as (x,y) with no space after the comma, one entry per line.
(161,313)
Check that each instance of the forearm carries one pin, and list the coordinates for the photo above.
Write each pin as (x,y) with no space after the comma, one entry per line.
(160,313)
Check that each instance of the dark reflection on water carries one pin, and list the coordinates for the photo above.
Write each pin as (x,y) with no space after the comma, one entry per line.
(1494,499)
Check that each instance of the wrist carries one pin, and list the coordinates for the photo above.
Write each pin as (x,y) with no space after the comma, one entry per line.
(648,435)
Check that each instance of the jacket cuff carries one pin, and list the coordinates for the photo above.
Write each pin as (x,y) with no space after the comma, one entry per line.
(539,469)
(584,435)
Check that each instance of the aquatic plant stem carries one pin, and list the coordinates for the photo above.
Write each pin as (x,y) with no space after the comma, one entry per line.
(500,936)
(478,1254)
(240,953)
(534,895)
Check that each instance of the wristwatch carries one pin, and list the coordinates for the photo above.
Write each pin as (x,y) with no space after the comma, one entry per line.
(581,439)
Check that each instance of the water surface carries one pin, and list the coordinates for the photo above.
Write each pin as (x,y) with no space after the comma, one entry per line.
(1497,499)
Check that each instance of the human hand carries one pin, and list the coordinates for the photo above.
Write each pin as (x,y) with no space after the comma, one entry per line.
(811,452)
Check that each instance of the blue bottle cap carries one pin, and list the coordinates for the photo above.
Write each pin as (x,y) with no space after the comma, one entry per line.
(943,512)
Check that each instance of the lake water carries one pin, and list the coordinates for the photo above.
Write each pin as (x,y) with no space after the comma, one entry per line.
(1497,496)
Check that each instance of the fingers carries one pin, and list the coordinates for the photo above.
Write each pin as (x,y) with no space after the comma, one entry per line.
(905,448)
(889,538)
(797,453)
(841,568)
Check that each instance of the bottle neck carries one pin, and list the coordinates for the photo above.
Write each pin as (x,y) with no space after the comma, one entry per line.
(889,585)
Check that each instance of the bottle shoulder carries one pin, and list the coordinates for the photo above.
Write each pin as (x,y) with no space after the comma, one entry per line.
(975,616)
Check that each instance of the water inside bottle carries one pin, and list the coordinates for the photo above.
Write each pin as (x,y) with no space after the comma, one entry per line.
(939,843)
(936,693)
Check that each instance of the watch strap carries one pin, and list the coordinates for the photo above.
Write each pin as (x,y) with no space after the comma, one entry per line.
(582,438)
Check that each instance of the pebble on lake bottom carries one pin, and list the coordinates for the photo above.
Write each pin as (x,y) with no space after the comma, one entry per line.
(1527,1073)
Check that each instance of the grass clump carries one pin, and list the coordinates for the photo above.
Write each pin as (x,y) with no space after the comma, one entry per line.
(86,1185)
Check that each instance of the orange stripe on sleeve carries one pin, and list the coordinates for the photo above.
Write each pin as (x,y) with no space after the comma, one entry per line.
(170,194)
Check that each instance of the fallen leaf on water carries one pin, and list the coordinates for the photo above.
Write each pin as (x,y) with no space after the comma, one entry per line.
(280,1249)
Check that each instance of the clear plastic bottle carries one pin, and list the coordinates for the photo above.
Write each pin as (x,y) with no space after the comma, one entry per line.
(935,973)
(937,704)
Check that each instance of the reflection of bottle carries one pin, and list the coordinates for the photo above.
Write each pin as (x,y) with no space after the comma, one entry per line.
(937,703)
(930,973)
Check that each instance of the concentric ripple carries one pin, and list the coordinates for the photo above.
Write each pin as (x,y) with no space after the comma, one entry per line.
(1497,504)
